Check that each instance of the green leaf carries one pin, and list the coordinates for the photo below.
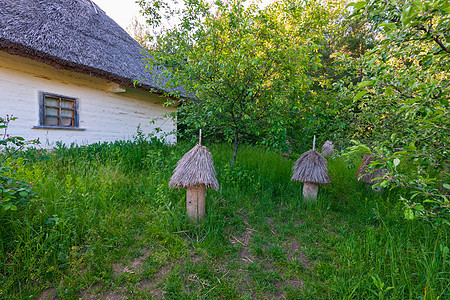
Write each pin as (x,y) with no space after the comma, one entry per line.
(23,194)
(408,14)
(446,186)
(389,91)
(418,207)
(359,5)
(409,214)
(366,83)
(431,201)
(359,95)
(363,149)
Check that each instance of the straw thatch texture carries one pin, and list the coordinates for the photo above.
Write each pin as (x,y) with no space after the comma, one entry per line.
(311,167)
(367,173)
(328,148)
(75,35)
(194,168)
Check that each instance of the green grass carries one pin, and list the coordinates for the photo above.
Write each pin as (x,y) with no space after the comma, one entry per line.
(106,224)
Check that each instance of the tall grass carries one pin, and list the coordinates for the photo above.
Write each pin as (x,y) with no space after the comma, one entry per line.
(103,207)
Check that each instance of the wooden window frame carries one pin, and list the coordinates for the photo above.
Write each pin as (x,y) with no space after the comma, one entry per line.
(75,109)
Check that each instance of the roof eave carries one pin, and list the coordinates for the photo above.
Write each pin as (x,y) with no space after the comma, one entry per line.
(58,63)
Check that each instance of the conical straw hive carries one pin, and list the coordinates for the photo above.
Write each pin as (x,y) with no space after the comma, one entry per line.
(328,149)
(195,172)
(366,174)
(311,169)
(195,168)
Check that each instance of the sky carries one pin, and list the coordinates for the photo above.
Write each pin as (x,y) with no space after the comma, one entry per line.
(121,11)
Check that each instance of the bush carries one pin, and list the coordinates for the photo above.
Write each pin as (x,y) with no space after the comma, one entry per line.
(14,193)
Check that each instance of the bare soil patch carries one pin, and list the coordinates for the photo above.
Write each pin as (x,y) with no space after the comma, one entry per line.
(48,294)
(294,252)
(134,266)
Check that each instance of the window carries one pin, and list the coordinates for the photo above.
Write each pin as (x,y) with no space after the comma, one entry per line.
(59,112)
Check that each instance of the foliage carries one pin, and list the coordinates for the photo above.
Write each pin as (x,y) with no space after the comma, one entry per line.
(14,193)
(241,68)
(401,104)
(354,36)
(321,109)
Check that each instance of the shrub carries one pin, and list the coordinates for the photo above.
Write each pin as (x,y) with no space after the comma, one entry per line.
(14,193)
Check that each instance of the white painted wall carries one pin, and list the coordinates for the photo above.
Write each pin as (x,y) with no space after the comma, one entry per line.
(105,116)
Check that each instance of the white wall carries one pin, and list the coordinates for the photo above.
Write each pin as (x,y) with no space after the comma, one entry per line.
(105,116)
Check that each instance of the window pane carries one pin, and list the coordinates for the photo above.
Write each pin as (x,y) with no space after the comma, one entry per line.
(51,121)
(51,111)
(67,113)
(67,103)
(58,111)
(66,121)
(51,101)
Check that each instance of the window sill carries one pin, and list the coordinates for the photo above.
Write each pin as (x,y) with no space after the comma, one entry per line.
(59,128)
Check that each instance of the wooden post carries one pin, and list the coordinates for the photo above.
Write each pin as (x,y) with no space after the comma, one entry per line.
(195,201)
(310,191)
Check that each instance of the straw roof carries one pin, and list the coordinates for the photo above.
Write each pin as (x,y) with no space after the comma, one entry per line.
(75,35)
(367,173)
(311,167)
(328,148)
(194,168)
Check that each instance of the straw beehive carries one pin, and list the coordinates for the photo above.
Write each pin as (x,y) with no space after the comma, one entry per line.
(311,169)
(195,172)
(328,149)
(366,174)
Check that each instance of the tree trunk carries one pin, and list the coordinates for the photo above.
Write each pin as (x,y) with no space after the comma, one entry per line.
(236,145)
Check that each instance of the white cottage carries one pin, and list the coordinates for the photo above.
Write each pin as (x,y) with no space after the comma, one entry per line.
(67,72)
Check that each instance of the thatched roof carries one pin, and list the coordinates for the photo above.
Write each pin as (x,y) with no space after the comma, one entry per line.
(366,174)
(75,35)
(194,168)
(311,167)
(328,148)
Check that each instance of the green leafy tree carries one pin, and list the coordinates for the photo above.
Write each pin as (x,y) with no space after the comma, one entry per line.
(322,110)
(241,67)
(401,105)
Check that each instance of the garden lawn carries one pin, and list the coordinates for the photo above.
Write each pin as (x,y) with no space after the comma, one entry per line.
(106,225)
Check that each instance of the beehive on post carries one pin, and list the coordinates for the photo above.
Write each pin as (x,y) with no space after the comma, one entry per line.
(195,172)
(311,169)
(328,149)
(367,175)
